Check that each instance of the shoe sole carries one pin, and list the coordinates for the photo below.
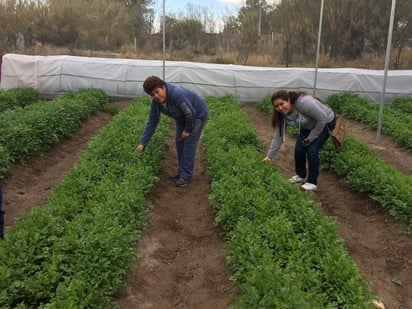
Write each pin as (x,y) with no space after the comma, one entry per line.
(298,182)
(314,189)
(181,182)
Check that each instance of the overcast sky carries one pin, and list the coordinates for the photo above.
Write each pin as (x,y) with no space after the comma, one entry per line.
(212,5)
(219,8)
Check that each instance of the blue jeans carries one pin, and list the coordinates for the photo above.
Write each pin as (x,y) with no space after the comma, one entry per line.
(310,153)
(186,149)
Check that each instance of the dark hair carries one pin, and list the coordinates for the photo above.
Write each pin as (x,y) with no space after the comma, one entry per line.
(151,83)
(278,118)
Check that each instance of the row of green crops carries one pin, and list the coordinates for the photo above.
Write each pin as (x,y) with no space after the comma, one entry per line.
(18,97)
(402,104)
(24,131)
(364,170)
(395,122)
(283,252)
(74,251)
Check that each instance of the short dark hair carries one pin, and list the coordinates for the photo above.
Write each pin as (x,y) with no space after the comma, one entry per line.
(151,83)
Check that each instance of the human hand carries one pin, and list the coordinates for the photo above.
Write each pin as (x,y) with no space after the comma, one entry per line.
(183,136)
(266,159)
(140,148)
(306,142)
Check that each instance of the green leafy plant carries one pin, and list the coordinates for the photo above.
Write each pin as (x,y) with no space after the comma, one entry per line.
(283,252)
(25,131)
(395,122)
(74,251)
(18,97)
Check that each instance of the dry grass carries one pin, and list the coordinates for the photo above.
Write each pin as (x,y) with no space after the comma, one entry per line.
(376,62)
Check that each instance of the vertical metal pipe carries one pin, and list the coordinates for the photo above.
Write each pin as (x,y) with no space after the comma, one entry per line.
(318,48)
(385,75)
(260,19)
(164,39)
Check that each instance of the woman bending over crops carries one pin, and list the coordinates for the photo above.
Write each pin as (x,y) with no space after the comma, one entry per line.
(190,113)
(312,118)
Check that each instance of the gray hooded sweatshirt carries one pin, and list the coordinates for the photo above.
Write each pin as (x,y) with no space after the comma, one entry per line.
(308,114)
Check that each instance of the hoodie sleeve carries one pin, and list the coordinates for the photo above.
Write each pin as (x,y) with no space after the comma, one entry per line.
(151,124)
(189,113)
(277,141)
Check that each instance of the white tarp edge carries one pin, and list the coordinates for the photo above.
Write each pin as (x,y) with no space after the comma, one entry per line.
(54,75)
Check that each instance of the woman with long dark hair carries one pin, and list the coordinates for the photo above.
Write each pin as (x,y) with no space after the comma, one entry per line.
(312,118)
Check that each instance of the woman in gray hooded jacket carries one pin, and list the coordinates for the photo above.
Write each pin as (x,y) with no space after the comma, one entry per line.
(314,120)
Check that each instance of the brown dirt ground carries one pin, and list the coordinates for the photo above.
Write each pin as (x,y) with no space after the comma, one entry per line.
(182,262)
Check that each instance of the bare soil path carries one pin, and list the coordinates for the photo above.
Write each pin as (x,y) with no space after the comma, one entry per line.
(182,262)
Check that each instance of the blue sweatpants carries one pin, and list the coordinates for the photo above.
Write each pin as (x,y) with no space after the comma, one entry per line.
(186,149)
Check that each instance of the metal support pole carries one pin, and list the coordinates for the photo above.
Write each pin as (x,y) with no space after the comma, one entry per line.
(318,49)
(260,19)
(385,76)
(164,39)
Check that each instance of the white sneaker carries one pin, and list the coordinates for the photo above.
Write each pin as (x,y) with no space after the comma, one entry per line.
(307,186)
(296,179)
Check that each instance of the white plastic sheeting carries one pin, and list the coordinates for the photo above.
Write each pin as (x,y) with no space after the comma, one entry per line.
(54,75)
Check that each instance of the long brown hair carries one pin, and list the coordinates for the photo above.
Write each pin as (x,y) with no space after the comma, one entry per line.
(279,118)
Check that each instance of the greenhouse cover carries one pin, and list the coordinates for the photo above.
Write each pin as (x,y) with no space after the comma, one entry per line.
(55,75)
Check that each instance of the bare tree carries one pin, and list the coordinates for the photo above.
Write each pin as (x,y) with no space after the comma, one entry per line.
(249,28)
(142,13)
(402,33)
